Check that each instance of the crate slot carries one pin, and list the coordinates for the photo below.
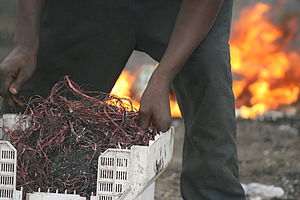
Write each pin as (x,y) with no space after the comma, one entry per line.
(121,175)
(106,187)
(6,193)
(122,162)
(119,188)
(107,161)
(105,198)
(5,154)
(106,174)
(7,167)
(6,180)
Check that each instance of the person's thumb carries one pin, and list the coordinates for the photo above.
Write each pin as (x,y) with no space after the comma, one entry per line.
(144,118)
(18,82)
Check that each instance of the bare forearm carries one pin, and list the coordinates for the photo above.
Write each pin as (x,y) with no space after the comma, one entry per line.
(28,25)
(194,21)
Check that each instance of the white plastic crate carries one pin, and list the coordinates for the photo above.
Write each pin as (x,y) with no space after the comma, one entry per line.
(123,174)
(126,174)
(8,168)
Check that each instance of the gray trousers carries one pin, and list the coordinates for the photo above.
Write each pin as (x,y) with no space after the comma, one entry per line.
(92,40)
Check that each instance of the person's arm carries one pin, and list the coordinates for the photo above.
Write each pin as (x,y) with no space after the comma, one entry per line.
(195,19)
(20,63)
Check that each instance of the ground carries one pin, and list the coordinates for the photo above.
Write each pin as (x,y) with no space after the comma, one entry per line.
(268,153)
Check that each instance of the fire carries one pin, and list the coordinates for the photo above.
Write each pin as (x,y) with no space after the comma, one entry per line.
(175,111)
(123,88)
(266,69)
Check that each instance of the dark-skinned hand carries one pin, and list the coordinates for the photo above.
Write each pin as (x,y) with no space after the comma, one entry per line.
(15,70)
(155,104)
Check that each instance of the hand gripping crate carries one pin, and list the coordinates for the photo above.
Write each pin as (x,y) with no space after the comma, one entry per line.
(130,174)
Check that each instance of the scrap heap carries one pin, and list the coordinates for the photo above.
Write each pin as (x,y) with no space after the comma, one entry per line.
(66,134)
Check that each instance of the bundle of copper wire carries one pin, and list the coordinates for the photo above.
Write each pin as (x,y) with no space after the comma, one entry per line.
(66,134)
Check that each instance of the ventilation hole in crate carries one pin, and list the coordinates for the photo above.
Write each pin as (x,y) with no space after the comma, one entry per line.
(122,162)
(4,193)
(7,167)
(105,198)
(5,154)
(119,187)
(6,180)
(121,175)
(107,161)
(106,187)
(107,174)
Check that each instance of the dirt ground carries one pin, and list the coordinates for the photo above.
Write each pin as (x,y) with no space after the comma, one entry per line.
(269,153)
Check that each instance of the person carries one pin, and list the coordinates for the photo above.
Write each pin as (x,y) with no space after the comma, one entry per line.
(92,40)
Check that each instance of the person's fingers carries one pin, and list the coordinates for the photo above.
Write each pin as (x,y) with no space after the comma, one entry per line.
(7,74)
(163,123)
(144,118)
(17,83)
(15,87)
(5,82)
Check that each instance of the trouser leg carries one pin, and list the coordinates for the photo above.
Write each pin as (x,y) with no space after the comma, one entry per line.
(203,89)
(90,41)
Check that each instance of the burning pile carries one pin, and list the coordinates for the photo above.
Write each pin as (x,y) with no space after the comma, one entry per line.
(67,133)
(265,60)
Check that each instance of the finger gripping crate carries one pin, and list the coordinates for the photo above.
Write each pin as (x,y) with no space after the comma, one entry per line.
(126,174)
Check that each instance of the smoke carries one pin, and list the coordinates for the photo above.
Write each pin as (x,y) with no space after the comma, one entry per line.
(8,8)
(279,7)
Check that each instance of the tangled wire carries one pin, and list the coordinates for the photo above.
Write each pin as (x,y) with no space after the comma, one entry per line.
(66,134)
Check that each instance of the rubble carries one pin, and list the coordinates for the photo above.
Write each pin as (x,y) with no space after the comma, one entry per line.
(258,191)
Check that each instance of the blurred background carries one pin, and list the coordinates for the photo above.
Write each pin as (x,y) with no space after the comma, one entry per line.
(265,57)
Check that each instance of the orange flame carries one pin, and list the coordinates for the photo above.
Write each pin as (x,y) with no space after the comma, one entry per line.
(266,71)
(122,87)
